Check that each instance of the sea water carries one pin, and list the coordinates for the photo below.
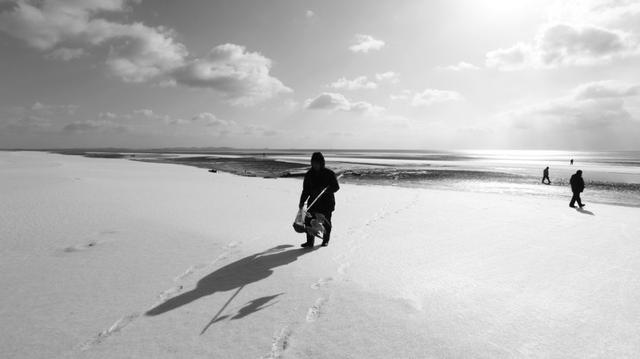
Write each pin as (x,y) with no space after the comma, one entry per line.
(610,177)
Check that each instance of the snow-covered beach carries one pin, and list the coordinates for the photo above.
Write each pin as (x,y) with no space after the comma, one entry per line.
(111,258)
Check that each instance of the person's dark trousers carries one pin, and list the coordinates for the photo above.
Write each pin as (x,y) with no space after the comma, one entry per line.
(327,229)
(576,197)
(546,178)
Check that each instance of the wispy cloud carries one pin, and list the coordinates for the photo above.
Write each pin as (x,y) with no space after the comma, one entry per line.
(94,126)
(389,76)
(426,97)
(364,82)
(338,102)
(209,119)
(66,54)
(358,83)
(460,66)
(429,97)
(365,43)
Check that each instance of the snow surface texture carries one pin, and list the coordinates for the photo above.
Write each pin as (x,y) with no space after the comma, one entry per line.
(109,258)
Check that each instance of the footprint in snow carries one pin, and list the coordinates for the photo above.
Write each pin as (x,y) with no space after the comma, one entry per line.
(321,282)
(314,312)
(114,328)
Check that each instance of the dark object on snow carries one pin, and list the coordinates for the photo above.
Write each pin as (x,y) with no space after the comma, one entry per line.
(213,170)
(315,180)
(545,175)
(577,186)
(320,183)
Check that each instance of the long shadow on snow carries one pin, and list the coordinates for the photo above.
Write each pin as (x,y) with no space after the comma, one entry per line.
(234,276)
(584,211)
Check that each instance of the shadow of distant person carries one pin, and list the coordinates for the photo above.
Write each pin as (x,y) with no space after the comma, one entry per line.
(255,305)
(249,308)
(234,276)
(582,210)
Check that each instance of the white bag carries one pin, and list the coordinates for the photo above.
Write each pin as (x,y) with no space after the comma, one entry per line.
(298,223)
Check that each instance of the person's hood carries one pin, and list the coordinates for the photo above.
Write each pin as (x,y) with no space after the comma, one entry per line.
(317,156)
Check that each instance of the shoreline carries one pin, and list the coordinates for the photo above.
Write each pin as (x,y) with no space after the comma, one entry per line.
(442,178)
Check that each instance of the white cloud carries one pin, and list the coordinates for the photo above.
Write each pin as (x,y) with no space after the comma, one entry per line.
(563,44)
(144,112)
(258,130)
(592,115)
(389,76)
(460,66)
(94,126)
(45,24)
(512,58)
(108,115)
(140,114)
(328,101)
(338,102)
(366,108)
(140,53)
(37,106)
(366,43)
(605,89)
(309,14)
(615,14)
(241,76)
(578,33)
(209,119)
(405,95)
(66,54)
(429,97)
(44,110)
(216,125)
(363,82)
(177,122)
(359,83)
(137,52)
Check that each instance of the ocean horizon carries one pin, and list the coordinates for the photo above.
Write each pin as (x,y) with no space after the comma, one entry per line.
(612,177)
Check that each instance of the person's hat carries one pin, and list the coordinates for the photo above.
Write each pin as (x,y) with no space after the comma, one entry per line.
(317,157)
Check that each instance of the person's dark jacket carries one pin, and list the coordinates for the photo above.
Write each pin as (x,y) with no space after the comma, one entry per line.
(314,183)
(577,183)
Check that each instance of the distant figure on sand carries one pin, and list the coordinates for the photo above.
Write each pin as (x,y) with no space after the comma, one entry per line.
(545,175)
(315,181)
(571,162)
(577,186)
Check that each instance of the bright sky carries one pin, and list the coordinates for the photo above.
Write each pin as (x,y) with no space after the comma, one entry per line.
(410,74)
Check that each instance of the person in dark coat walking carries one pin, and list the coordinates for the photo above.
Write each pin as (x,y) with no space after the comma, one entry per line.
(315,180)
(545,175)
(577,186)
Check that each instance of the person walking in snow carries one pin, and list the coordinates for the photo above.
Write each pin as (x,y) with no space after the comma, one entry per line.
(577,186)
(545,175)
(315,181)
